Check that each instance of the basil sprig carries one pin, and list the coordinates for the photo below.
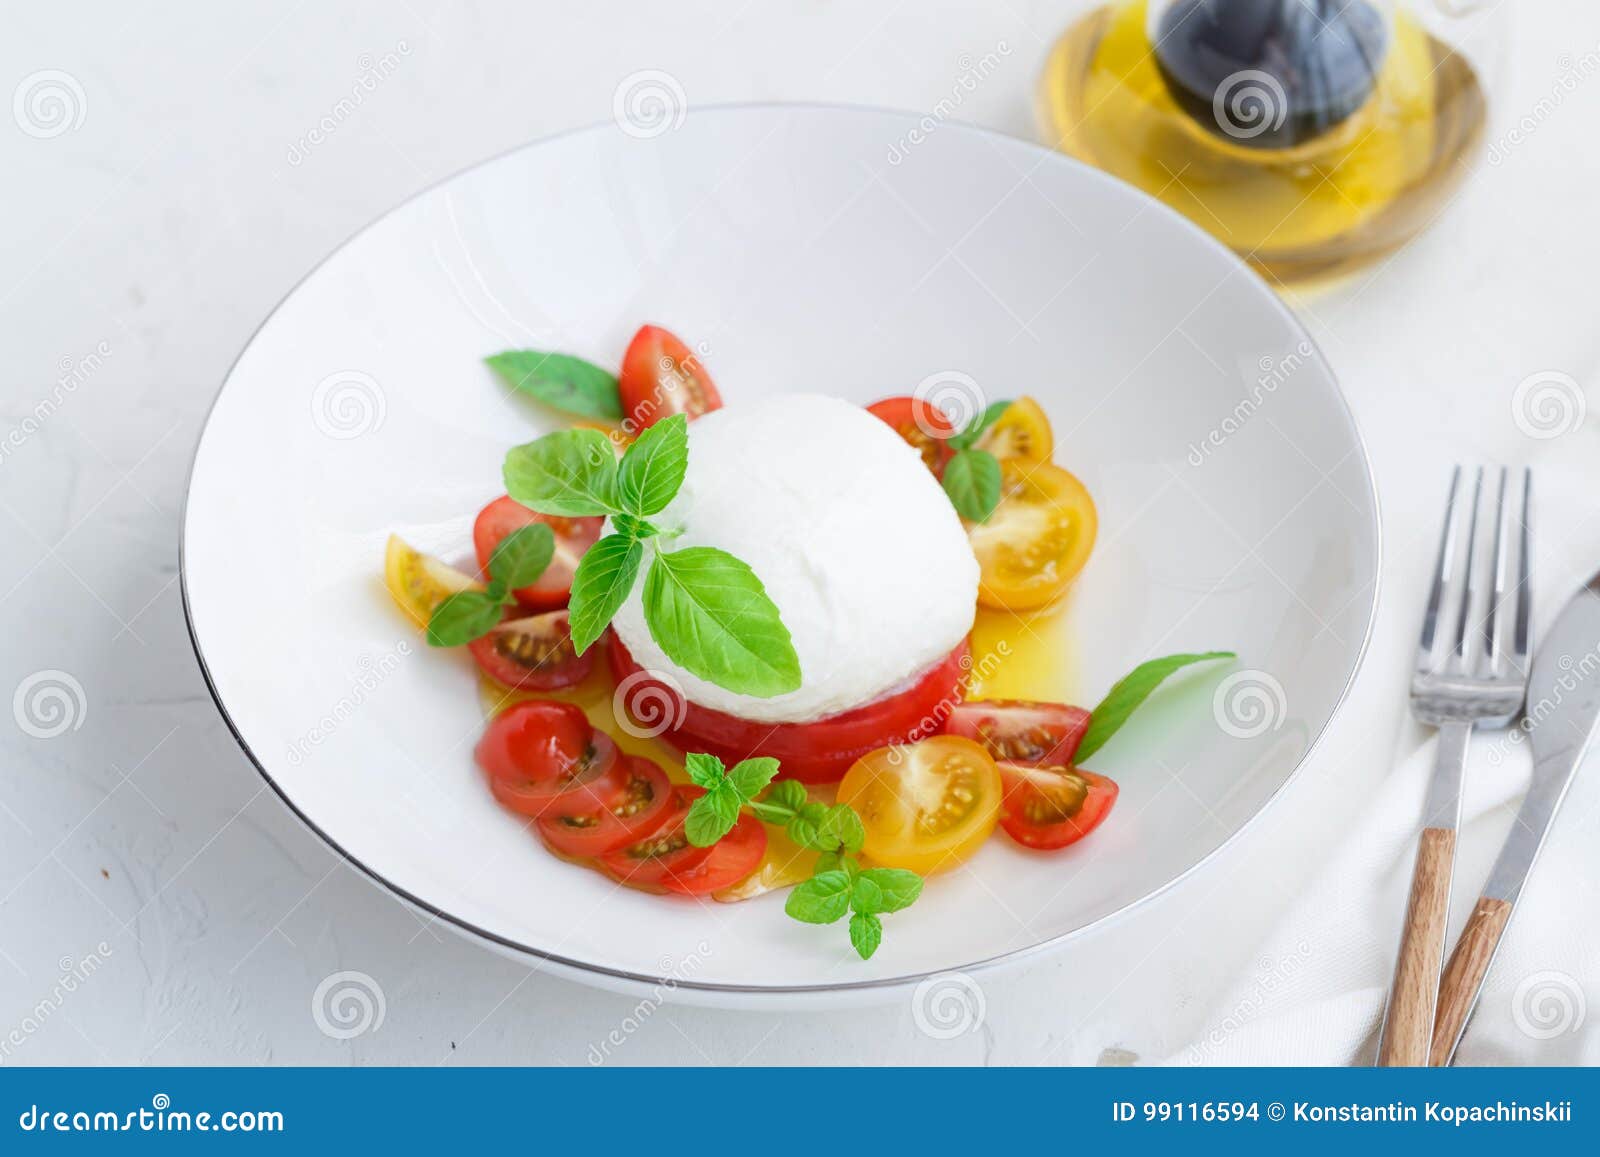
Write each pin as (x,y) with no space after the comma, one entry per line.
(972,477)
(839,885)
(707,610)
(519,560)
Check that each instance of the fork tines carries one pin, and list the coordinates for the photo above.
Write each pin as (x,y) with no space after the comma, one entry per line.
(1480,578)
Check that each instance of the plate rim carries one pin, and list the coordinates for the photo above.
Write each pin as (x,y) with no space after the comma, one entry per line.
(585,970)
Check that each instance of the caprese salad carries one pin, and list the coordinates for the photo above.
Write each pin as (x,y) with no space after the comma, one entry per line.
(727,649)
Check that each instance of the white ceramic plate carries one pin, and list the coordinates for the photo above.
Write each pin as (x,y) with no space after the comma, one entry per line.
(1235,501)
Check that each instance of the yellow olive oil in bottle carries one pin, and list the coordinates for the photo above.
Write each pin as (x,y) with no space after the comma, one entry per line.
(1311,136)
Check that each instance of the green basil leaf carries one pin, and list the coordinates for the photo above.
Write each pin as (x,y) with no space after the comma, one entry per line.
(820,900)
(710,614)
(969,436)
(712,816)
(897,887)
(750,776)
(562,381)
(1131,690)
(572,473)
(972,480)
(463,617)
(704,770)
(843,826)
(635,528)
(600,585)
(522,555)
(866,933)
(828,862)
(653,467)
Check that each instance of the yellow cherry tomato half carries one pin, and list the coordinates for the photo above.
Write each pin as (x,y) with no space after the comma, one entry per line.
(926,806)
(785,863)
(419,582)
(1021,434)
(1037,539)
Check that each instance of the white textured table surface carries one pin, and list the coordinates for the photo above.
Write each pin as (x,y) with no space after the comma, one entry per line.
(141,245)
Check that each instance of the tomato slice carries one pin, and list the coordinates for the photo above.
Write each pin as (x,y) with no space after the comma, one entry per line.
(925,806)
(573,537)
(1021,434)
(1021,731)
(419,582)
(629,804)
(1037,539)
(536,751)
(816,752)
(665,852)
(660,377)
(922,425)
(1051,807)
(732,858)
(534,654)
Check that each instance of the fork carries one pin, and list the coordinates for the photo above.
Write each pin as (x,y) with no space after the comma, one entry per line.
(1480,678)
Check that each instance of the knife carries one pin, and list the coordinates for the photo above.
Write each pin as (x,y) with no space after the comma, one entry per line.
(1563,709)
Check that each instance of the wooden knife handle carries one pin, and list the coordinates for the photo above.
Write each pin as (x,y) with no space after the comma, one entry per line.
(1408,1024)
(1463,976)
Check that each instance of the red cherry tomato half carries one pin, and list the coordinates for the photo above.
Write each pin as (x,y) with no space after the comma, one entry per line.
(1051,807)
(537,751)
(1019,731)
(653,858)
(573,537)
(732,858)
(817,752)
(629,804)
(660,377)
(533,654)
(923,426)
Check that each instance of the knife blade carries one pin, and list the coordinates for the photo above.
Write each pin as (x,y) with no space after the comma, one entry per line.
(1561,718)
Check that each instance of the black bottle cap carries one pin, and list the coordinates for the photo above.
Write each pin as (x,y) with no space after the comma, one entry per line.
(1270,73)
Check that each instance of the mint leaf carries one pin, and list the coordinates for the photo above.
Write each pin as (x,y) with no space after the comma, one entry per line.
(828,862)
(572,473)
(897,887)
(822,899)
(805,827)
(712,816)
(1130,691)
(972,480)
(750,776)
(865,895)
(789,794)
(522,555)
(652,470)
(969,436)
(600,585)
(842,826)
(711,616)
(704,770)
(562,381)
(866,933)
(463,617)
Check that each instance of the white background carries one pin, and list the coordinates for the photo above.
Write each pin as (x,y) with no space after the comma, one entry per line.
(163,228)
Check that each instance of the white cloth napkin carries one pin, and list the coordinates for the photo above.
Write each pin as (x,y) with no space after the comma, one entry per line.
(1316,993)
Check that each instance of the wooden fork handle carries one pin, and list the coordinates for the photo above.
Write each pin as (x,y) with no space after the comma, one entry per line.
(1463,976)
(1408,1024)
